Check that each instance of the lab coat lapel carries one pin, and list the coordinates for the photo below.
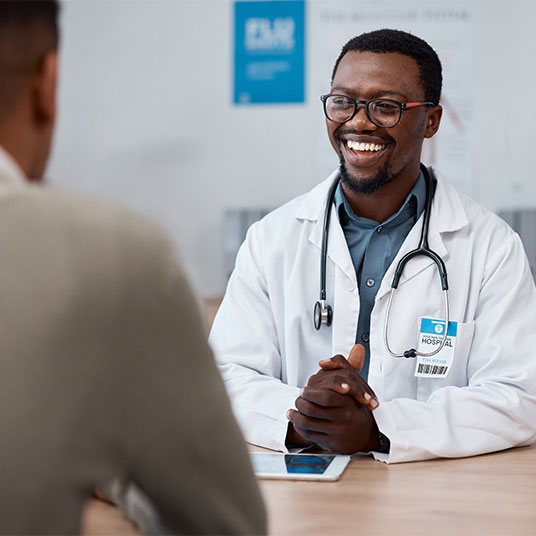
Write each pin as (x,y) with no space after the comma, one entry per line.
(313,208)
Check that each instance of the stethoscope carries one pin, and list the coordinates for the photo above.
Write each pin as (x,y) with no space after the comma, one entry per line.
(323,313)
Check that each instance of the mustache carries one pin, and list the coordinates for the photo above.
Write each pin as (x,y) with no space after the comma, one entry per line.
(338,134)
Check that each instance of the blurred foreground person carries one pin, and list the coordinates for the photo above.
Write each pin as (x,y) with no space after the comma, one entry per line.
(105,371)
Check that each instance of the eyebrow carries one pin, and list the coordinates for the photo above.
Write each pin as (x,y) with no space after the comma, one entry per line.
(379,92)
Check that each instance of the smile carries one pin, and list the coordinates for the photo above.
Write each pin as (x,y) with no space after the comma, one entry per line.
(357,146)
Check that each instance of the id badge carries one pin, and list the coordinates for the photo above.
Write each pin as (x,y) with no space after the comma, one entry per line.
(430,337)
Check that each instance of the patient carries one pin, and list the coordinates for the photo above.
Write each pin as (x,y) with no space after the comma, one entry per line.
(105,371)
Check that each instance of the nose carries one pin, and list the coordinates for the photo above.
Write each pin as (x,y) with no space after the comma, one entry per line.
(361,121)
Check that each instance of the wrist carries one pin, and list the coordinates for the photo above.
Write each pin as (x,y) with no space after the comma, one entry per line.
(378,441)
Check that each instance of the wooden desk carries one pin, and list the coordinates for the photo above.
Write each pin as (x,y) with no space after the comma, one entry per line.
(488,495)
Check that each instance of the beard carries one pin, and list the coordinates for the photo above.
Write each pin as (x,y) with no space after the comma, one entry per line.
(368,186)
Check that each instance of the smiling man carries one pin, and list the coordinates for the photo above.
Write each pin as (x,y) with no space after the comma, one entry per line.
(411,389)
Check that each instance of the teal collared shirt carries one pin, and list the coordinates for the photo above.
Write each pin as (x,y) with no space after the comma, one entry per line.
(373,246)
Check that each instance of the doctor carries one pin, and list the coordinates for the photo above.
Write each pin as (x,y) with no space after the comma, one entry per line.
(478,393)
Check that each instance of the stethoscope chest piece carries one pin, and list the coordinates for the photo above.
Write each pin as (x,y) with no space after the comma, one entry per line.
(323,314)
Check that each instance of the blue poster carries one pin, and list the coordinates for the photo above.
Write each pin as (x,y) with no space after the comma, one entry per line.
(269,52)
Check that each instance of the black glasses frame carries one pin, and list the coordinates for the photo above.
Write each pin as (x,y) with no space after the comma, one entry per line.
(401,106)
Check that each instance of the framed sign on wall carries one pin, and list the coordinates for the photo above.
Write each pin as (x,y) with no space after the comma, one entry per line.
(269,52)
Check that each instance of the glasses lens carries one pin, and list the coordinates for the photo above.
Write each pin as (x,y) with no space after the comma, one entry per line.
(338,108)
(384,112)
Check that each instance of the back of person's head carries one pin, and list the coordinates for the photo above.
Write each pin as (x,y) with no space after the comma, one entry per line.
(28,31)
(28,72)
(383,41)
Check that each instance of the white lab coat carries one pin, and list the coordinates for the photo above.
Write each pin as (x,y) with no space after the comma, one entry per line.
(267,348)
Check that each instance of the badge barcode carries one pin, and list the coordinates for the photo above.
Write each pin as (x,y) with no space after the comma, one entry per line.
(431,369)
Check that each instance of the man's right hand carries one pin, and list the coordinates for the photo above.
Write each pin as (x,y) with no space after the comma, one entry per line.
(340,376)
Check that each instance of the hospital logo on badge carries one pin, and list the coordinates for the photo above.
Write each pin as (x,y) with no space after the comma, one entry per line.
(430,337)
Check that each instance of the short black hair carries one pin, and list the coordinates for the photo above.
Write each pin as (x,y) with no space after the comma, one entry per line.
(386,40)
(28,31)
(27,28)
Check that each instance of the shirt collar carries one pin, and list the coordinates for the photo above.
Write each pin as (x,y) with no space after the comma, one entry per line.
(10,171)
(412,207)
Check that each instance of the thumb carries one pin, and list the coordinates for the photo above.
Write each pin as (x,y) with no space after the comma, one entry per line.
(357,356)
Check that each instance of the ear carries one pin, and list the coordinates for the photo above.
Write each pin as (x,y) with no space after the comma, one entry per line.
(44,89)
(433,120)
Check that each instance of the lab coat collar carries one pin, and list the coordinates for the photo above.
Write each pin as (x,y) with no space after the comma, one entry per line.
(447,215)
(314,203)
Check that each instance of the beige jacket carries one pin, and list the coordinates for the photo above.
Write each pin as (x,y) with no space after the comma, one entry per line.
(105,372)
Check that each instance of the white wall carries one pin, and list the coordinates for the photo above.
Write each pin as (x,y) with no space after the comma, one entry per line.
(146,118)
(506,104)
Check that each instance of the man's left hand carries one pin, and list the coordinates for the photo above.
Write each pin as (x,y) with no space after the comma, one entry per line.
(342,376)
(329,410)
(335,422)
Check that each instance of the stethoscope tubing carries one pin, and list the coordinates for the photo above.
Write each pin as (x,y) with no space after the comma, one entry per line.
(324,247)
(413,352)
(422,249)
(323,313)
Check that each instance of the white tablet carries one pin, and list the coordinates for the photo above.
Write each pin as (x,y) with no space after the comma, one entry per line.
(298,466)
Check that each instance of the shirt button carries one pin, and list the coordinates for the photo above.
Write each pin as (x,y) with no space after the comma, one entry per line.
(365,337)
(370,282)
(348,285)
(379,229)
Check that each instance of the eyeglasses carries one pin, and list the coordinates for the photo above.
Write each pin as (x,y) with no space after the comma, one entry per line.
(384,113)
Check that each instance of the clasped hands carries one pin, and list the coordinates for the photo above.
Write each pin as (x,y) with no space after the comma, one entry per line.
(334,409)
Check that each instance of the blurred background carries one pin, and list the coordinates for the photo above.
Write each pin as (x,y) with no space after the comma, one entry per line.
(205,114)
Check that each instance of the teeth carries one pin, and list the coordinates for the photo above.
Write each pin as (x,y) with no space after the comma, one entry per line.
(356,146)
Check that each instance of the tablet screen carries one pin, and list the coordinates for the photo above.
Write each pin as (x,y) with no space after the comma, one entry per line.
(298,466)
(307,464)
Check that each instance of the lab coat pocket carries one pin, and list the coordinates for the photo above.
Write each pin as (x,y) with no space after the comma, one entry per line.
(457,375)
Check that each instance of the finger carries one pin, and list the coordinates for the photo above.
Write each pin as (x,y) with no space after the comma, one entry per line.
(315,411)
(344,388)
(325,397)
(363,394)
(357,356)
(345,382)
(314,438)
(358,389)
(335,363)
(302,422)
(329,378)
